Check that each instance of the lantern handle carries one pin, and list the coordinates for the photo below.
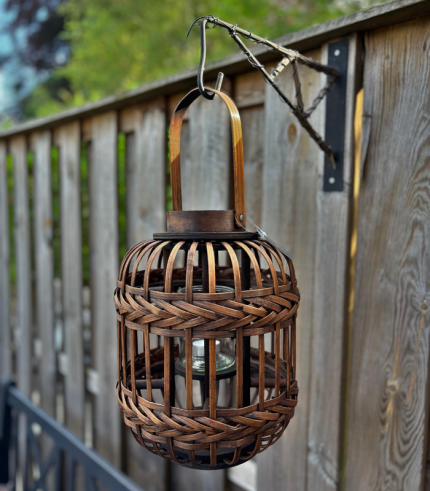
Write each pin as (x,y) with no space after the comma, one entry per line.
(175,152)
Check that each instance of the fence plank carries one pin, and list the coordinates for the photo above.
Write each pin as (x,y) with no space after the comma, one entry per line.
(388,410)
(5,342)
(43,235)
(292,165)
(331,307)
(206,173)
(104,270)
(253,148)
(68,138)
(146,206)
(18,148)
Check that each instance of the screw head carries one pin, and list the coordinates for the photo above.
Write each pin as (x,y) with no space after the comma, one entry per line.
(331,180)
(336,52)
(241,218)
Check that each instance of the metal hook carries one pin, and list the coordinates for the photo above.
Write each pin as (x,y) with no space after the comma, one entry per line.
(200,84)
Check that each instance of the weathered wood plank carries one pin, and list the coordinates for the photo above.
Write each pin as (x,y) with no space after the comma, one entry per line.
(18,148)
(292,167)
(192,479)
(5,342)
(388,409)
(104,270)
(68,141)
(330,306)
(253,148)
(249,89)
(146,207)
(43,235)
(206,173)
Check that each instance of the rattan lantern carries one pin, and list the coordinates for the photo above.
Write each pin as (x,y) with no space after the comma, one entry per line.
(206,330)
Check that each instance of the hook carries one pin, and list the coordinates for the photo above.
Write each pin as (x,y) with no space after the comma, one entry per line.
(200,84)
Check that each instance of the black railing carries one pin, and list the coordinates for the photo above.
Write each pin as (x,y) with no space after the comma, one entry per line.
(68,463)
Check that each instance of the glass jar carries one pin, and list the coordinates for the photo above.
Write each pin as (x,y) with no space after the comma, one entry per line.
(225,348)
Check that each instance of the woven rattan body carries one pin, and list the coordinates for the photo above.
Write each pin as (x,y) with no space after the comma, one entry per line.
(152,315)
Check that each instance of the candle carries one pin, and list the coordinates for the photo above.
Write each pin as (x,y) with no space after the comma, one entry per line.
(199,347)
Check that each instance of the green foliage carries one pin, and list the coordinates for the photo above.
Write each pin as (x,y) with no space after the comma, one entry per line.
(122,196)
(117,45)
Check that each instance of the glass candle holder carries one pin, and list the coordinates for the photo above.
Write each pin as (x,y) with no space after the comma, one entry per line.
(225,348)
(225,356)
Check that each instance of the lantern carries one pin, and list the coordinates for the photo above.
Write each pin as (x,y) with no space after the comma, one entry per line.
(207,329)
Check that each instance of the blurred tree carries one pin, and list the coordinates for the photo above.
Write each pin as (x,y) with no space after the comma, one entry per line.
(34,28)
(137,41)
(115,45)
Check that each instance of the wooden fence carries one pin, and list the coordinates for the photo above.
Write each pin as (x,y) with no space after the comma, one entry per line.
(362,255)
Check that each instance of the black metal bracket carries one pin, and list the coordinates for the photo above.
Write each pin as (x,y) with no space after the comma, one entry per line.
(335,116)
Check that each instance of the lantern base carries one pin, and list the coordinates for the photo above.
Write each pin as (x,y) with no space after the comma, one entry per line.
(222,454)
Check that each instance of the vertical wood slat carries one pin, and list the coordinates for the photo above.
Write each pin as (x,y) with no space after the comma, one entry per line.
(5,341)
(206,171)
(68,141)
(43,235)
(330,311)
(206,174)
(18,148)
(253,148)
(146,205)
(388,407)
(103,273)
(146,172)
(292,164)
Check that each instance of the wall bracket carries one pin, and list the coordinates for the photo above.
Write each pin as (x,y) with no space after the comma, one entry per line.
(335,116)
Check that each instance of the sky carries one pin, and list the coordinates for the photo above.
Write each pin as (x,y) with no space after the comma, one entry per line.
(9,72)
(5,48)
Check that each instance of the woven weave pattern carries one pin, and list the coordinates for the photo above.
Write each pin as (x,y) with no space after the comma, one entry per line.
(151,309)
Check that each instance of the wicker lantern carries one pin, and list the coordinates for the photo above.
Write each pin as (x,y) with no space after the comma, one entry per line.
(206,330)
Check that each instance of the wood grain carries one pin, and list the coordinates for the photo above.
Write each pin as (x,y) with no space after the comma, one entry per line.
(253,147)
(206,175)
(44,259)
(291,170)
(146,205)
(18,148)
(330,306)
(388,411)
(249,89)
(68,140)
(5,352)
(104,269)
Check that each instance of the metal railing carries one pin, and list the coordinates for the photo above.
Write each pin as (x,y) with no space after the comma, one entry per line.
(20,451)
